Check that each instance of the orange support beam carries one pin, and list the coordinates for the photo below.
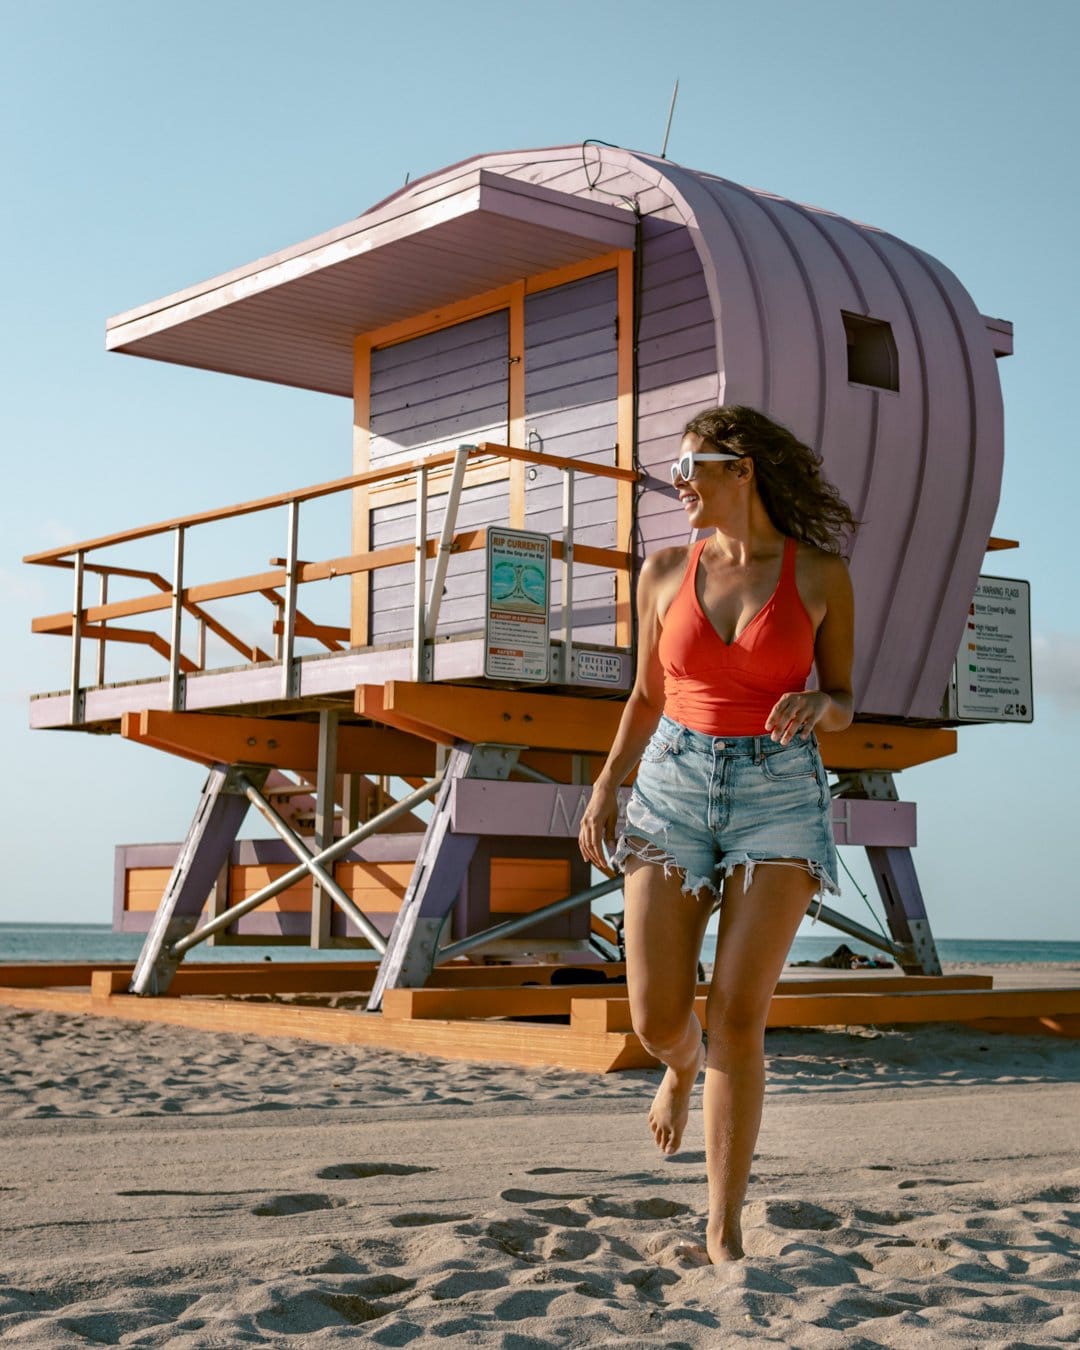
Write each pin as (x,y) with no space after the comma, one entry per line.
(446,713)
(209,739)
(880,747)
(449,713)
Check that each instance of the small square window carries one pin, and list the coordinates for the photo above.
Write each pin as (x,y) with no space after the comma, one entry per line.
(871,350)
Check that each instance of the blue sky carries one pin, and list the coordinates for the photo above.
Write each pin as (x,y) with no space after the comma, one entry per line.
(148,146)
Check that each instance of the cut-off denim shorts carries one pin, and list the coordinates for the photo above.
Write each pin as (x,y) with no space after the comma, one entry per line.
(704,805)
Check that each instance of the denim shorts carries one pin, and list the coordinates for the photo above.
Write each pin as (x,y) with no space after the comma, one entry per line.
(704,805)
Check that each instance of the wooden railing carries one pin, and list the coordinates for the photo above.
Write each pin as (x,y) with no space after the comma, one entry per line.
(98,622)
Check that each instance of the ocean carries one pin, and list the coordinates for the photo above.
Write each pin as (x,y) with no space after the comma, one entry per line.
(97,942)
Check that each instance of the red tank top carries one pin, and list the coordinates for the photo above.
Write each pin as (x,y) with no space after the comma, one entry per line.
(724,690)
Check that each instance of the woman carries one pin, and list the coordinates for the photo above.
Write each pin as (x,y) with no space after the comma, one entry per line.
(731,800)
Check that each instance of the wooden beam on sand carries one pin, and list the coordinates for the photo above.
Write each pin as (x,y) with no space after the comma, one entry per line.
(589,1043)
(286,977)
(861,1009)
(555,1000)
(508,1042)
(313,977)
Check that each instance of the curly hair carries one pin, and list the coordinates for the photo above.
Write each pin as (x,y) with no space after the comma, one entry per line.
(799,502)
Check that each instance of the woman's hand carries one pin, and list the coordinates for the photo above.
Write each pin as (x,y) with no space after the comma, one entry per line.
(598,827)
(797,715)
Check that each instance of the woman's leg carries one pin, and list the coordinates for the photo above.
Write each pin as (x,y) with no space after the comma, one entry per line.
(753,938)
(663,929)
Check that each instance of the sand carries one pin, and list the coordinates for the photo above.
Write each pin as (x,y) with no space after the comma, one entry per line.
(913,1187)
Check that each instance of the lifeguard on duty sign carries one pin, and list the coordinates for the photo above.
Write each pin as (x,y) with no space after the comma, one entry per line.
(517,609)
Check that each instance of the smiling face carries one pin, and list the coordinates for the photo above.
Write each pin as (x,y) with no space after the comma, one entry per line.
(710,496)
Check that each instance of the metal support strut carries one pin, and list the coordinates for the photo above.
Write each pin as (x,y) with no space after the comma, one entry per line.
(440,869)
(898,885)
(221,811)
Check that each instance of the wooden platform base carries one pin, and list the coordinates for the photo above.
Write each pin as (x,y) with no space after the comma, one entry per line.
(481,1013)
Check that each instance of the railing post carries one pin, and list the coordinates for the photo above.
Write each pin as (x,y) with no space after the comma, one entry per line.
(176,699)
(76,713)
(321,899)
(446,540)
(567,573)
(200,648)
(279,626)
(103,599)
(419,664)
(288,642)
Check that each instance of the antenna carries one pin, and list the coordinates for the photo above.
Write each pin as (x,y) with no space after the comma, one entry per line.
(670,115)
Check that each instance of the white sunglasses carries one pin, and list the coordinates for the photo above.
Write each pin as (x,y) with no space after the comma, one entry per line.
(686,465)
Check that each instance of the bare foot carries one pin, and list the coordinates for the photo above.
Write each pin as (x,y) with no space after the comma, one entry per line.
(724,1248)
(671,1106)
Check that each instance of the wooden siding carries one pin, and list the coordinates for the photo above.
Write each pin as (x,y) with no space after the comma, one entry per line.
(571,392)
(520,885)
(676,321)
(431,393)
(677,374)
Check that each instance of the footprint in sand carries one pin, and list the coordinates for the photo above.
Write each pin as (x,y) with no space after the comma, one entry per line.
(360,1171)
(547,1171)
(189,1195)
(561,1215)
(418,1219)
(652,1207)
(516,1196)
(460,1283)
(602,1206)
(886,1217)
(911,1263)
(279,1205)
(1067,1195)
(319,1310)
(516,1237)
(848,1312)
(570,1244)
(912,1182)
(525,1303)
(798,1214)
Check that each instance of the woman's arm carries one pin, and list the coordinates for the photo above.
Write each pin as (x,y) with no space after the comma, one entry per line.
(639,719)
(830,706)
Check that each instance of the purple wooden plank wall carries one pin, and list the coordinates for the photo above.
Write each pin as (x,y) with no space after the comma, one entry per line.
(677,349)
(571,392)
(443,388)
(430,394)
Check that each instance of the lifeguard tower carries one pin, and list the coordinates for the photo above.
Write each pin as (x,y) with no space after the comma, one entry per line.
(522,336)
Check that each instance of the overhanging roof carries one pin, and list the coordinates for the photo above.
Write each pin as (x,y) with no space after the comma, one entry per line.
(291,317)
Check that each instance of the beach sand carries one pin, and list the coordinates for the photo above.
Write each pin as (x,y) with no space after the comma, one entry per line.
(913,1187)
